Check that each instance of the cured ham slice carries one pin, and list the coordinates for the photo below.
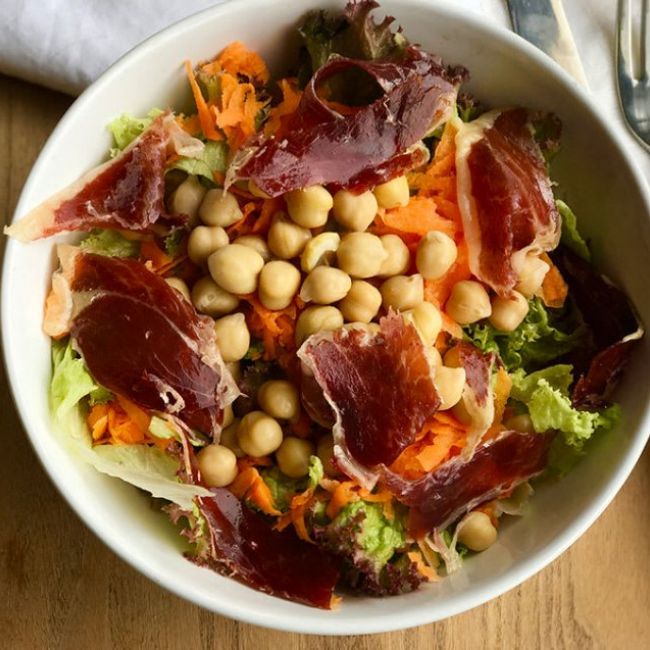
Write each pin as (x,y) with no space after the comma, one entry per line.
(461,484)
(380,388)
(367,145)
(140,338)
(125,192)
(505,196)
(244,546)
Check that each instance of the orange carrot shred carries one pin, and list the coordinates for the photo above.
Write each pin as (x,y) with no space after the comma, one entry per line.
(554,288)
(205,116)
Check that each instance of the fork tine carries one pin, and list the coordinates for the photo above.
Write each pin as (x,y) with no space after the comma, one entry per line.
(624,38)
(644,57)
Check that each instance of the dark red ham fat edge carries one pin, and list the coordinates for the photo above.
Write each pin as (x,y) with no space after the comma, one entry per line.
(442,496)
(610,317)
(381,386)
(368,145)
(128,194)
(278,563)
(133,336)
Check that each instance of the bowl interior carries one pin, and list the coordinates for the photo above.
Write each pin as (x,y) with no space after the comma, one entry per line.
(594,176)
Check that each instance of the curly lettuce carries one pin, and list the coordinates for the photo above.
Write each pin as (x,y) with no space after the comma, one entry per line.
(127,128)
(546,396)
(372,547)
(111,243)
(543,336)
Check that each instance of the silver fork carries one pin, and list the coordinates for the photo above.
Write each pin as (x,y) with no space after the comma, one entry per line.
(634,87)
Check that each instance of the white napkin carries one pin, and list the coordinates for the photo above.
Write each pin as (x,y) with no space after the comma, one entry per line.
(66,44)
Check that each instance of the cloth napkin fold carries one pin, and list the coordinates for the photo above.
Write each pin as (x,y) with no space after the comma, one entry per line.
(67,44)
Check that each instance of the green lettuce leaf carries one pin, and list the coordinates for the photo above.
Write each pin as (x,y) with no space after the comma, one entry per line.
(110,242)
(546,395)
(148,468)
(570,237)
(282,488)
(173,242)
(71,381)
(127,128)
(213,159)
(542,337)
(316,472)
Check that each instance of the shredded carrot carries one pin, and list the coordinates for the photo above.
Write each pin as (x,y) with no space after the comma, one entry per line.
(275,328)
(252,222)
(151,252)
(502,387)
(250,485)
(554,288)
(205,116)
(417,218)
(135,413)
(237,59)
(345,493)
(238,109)
(424,569)
(98,421)
(277,118)
(441,437)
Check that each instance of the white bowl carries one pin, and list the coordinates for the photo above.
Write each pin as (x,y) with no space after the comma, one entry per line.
(596,177)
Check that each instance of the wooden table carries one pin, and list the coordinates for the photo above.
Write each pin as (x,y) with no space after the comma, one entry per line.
(60,587)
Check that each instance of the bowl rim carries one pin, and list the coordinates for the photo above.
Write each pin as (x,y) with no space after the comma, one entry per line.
(399,619)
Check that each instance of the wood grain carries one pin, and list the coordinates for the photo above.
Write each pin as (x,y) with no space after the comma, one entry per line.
(61,588)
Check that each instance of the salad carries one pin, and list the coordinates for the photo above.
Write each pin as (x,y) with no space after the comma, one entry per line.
(337,324)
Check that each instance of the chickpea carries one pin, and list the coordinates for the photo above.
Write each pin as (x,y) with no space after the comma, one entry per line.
(287,239)
(325,451)
(361,303)
(228,416)
(476,531)
(293,457)
(469,302)
(256,243)
(279,282)
(209,298)
(436,254)
(402,292)
(229,438)
(258,434)
(218,465)
(361,254)
(355,211)
(325,285)
(256,191)
(532,275)
(205,240)
(279,399)
(319,250)
(317,319)
(236,268)
(449,383)
(219,208)
(233,337)
(180,286)
(427,321)
(187,197)
(393,193)
(310,206)
(434,357)
(399,258)
(521,423)
(508,313)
